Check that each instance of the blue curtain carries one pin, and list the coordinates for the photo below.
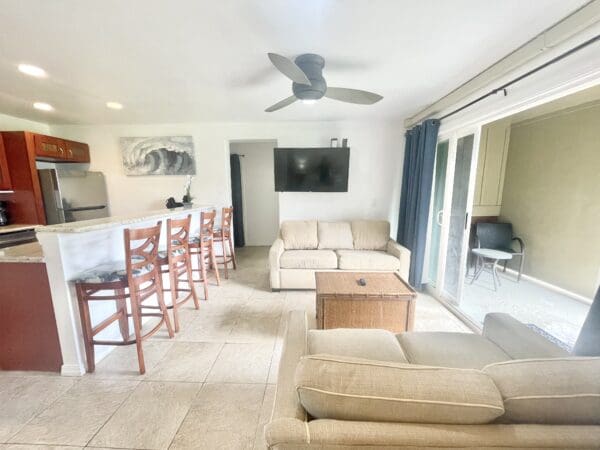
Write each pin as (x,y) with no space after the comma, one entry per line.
(417,180)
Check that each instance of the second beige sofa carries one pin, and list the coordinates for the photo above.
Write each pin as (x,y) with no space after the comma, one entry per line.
(305,247)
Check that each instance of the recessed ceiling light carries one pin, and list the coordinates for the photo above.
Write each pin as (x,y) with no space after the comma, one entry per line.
(43,106)
(33,71)
(114,105)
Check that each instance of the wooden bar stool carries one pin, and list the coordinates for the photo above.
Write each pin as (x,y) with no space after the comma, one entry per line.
(176,261)
(138,279)
(223,235)
(203,246)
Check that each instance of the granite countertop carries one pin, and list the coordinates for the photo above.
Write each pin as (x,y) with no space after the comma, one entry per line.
(23,253)
(16,227)
(114,221)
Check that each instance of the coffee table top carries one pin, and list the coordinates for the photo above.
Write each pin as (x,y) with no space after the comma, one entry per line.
(379,284)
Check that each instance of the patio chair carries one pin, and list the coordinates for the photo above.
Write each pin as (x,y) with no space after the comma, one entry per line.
(499,237)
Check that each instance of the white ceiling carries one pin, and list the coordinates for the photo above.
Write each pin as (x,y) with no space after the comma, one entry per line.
(197,60)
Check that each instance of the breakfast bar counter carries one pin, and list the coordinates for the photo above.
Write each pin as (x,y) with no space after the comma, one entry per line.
(71,249)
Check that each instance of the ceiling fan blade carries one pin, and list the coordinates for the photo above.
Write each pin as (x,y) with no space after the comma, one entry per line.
(282,104)
(352,95)
(289,68)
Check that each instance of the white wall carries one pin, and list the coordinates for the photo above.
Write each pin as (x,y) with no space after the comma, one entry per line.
(259,199)
(376,157)
(11,123)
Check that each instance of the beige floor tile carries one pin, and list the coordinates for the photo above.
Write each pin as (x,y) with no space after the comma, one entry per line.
(274,368)
(222,416)
(254,328)
(209,328)
(122,362)
(186,361)
(22,398)
(78,414)
(38,447)
(149,418)
(265,416)
(242,363)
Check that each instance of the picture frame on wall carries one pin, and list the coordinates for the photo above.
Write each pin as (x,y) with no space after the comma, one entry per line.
(158,155)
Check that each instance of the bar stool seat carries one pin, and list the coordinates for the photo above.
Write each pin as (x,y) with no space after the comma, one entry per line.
(112,272)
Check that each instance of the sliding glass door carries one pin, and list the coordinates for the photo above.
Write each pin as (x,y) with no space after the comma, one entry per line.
(450,213)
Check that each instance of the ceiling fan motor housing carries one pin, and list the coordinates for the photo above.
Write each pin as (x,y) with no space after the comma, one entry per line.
(312,65)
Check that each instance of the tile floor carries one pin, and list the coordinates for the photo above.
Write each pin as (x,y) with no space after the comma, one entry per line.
(557,314)
(212,387)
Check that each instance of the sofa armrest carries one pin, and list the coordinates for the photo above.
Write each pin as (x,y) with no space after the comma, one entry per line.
(287,404)
(403,254)
(518,340)
(274,254)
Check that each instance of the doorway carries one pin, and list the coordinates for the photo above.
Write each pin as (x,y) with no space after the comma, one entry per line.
(259,201)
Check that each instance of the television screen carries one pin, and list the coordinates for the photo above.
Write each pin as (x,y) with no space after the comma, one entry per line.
(311,169)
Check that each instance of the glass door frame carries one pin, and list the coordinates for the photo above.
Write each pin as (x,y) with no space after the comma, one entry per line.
(437,287)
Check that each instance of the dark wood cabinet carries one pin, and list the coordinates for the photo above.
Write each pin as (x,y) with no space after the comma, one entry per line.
(49,148)
(5,183)
(77,152)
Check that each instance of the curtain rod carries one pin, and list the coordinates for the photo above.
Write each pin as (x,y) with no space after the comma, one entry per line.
(525,75)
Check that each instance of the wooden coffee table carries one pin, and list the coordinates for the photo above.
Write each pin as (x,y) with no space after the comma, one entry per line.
(386,301)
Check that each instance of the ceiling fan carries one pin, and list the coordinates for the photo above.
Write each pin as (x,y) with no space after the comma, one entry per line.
(306,72)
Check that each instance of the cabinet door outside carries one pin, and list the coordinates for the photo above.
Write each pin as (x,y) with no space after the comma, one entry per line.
(78,152)
(49,147)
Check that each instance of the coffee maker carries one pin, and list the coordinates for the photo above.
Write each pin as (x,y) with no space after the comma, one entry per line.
(3,214)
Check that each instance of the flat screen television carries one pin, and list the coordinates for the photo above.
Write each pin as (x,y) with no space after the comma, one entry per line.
(311,169)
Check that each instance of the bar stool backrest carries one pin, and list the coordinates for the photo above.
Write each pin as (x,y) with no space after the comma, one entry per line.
(207,225)
(178,235)
(226,219)
(141,253)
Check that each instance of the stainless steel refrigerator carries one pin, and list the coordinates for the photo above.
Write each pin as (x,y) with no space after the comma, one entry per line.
(73,195)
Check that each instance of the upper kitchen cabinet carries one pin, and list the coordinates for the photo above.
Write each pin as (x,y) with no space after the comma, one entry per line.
(5,184)
(49,148)
(491,167)
(77,152)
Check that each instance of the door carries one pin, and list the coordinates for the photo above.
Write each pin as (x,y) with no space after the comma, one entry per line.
(459,220)
(437,210)
(450,213)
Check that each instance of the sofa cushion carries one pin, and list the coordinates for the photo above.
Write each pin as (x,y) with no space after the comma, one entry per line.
(299,234)
(367,260)
(334,235)
(370,234)
(331,387)
(308,259)
(359,343)
(549,391)
(446,349)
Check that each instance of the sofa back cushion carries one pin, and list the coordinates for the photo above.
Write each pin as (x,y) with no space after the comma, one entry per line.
(299,235)
(549,391)
(370,234)
(335,235)
(343,388)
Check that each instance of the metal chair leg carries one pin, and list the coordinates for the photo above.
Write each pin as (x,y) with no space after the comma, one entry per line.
(521,268)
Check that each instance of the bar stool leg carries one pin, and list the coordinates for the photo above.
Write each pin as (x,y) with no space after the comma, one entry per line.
(224,248)
(86,323)
(174,288)
(137,326)
(188,268)
(163,307)
(213,261)
(122,308)
(202,263)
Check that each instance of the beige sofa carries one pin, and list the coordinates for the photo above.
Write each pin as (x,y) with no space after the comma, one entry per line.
(365,389)
(305,247)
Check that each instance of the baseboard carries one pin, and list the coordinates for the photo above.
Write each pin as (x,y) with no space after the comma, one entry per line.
(552,287)
(71,370)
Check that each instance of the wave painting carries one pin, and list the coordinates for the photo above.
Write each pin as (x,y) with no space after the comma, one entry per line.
(158,155)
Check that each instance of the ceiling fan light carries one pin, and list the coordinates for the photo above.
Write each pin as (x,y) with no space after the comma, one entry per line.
(309,101)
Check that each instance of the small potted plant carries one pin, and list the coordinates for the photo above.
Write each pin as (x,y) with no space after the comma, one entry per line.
(187,196)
